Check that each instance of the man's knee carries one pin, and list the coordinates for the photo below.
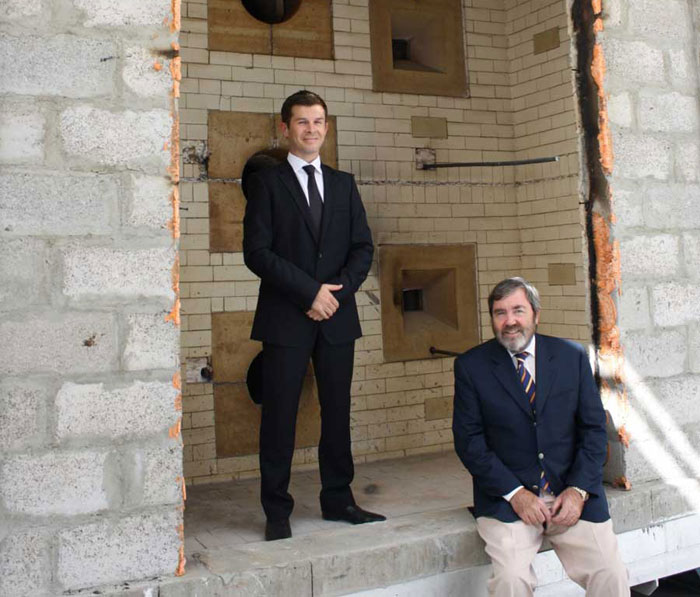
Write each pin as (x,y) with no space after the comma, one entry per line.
(512,581)
(609,579)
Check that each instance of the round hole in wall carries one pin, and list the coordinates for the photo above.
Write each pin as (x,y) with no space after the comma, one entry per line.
(272,11)
(261,160)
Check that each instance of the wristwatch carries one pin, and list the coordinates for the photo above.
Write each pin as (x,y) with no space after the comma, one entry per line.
(582,492)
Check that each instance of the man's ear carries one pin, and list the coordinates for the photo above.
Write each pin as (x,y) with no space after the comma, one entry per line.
(537,318)
(285,129)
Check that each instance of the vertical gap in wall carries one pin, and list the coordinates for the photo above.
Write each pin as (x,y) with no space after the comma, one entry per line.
(583,19)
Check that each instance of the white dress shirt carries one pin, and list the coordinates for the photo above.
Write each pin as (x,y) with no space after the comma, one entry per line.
(298,164)
(530,366)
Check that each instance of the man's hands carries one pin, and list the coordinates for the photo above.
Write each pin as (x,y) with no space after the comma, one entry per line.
(325,304)
(567,508)
(531,509)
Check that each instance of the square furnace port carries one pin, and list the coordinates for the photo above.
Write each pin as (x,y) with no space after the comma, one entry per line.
(417,47)
(416,42)
(428,298)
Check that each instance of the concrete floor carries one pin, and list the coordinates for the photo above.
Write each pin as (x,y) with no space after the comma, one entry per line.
(229,514)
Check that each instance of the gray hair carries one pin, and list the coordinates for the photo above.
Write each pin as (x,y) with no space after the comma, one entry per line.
(508,286)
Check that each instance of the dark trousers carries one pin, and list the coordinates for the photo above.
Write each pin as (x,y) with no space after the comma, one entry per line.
(284,368)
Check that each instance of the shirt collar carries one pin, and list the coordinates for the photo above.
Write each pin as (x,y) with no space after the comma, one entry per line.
(298,163)
(530,348)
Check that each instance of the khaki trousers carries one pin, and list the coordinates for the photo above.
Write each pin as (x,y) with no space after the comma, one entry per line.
(588,551)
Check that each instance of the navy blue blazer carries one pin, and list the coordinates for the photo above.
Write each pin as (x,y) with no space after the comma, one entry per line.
(503,445)
(282,246)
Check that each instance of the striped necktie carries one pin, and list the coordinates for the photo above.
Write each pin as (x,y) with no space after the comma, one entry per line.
(525,378)
(529,386)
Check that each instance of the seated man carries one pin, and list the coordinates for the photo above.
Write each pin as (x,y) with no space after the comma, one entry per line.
(530,427)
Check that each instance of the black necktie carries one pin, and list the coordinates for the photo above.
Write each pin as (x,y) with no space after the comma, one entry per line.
(315,201)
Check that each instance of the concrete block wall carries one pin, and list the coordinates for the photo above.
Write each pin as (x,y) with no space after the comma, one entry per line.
(90,451)
(521,218)
(652,85)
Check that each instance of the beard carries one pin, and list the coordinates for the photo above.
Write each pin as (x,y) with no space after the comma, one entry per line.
(517,339)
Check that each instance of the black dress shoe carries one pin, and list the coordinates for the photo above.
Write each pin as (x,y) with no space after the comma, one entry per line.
(353,515)
(278,529)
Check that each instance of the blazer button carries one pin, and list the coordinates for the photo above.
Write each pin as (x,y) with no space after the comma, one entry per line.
(535,488)
(540,456)
(534,423)
(320,255)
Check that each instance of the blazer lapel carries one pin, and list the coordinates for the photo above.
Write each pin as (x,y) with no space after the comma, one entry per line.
(504,371)
(290,180)
(546,369)
(328,180)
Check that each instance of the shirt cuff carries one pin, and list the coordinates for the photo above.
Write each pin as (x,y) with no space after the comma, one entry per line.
(509,496)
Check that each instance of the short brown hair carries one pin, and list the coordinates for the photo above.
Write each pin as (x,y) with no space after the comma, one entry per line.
(303,97)
(508,286)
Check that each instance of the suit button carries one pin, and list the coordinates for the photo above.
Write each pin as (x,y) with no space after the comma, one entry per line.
(535,488)
(534,423)
(540,456)
(320,255)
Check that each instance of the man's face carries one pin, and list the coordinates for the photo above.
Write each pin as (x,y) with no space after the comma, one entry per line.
(306,131)
(514,321)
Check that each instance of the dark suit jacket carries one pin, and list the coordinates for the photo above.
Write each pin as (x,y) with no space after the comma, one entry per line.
(280,245)
(499,441)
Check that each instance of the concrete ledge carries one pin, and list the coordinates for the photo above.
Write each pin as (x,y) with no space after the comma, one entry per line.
(427,554)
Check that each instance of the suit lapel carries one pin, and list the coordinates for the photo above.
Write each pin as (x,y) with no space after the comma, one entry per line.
(504,371)
(328,180)
(546,370)
(290,180)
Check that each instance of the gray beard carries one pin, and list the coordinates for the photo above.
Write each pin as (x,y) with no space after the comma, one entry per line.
(515,345)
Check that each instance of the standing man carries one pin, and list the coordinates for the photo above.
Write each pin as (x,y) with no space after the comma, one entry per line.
(306,237)
(530,427)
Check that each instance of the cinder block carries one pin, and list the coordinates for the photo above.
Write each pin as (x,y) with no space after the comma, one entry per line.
(141,76)
(639,156)
(125,13)
(15,9)
(687,158)
(633,308)
(21,135)
(682,68)
(64,483)
(672,206)
(675,303)
(142,408)
(87,65)
(668,112)
(25,564)
(162,474)
(137,139)
(150,204)
(679,397)
(620,110)
(22,414)
(628,208)
(23,271)
(650,256)
(109,273)
(664,20)
(691,253)
(660,353)
(62,343)
(57,204)
(634,61)
(151,343)
(114,551)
